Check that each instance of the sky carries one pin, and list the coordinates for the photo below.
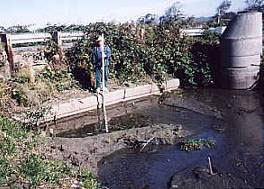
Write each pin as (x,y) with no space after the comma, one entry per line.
(41,12)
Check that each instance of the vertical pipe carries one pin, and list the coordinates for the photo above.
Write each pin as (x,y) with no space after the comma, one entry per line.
(103,82)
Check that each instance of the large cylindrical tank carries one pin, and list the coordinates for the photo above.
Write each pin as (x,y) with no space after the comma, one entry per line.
(239,78)
(241,48)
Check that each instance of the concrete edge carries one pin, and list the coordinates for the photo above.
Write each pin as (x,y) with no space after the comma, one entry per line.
(78,106)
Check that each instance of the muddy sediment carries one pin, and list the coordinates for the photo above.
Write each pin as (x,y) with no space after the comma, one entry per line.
(200,177)
(88,151)
(233,119)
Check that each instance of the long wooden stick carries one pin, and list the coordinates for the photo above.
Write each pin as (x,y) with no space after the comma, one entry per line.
(103,82)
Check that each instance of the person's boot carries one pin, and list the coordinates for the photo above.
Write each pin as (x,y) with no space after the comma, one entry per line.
(106,90)
(98,90)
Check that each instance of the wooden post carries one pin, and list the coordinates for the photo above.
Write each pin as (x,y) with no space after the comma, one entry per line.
(6,40)
(57,38)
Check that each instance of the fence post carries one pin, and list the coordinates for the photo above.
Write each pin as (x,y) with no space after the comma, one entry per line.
(57,38)
(6,40)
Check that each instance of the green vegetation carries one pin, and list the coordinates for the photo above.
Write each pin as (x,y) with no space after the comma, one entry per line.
(37,170)
(61,80)
(196,144)
(29,90)
(163,52)
(88,180)
(4,97)
(22,163)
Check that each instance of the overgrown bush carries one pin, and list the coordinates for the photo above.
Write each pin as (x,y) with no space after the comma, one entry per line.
(28,91)
(127,53)
(163,52)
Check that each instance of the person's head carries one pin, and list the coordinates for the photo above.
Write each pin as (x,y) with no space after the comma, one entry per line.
(100,41)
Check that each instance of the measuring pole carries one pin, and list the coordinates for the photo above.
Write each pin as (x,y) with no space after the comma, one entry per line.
(103,82)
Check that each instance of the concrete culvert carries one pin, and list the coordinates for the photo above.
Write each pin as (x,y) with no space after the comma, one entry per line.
(241,61)
(243,36)
(241,48)
(239,78)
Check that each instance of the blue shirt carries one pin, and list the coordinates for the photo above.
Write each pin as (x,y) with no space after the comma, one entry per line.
(97,56)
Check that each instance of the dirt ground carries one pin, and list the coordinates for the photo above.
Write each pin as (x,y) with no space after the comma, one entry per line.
(87,152)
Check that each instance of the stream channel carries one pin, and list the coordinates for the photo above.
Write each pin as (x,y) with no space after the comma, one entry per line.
(233,119)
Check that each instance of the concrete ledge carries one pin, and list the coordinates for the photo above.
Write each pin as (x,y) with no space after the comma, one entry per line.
(77,106)
(170,84)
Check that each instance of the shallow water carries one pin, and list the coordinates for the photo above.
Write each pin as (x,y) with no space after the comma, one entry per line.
(238,133)
(133,114)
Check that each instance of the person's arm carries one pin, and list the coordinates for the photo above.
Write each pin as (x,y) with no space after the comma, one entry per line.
(108,52)
(94,57)
(108,55)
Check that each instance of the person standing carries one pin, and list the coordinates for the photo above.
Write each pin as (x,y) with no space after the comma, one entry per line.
(97,62)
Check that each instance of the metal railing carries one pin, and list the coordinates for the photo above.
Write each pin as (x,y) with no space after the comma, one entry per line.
(30,42)
(61,37)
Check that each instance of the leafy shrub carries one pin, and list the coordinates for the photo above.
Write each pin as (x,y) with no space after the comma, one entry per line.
(60,79)
(127,53)
(163,52)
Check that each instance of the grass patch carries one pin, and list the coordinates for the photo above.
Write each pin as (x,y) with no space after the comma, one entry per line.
(88,180)
(28,90)
(35,169)
(196,144)
(23,165)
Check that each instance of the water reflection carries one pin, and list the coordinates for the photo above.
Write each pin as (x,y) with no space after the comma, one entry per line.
(239,148)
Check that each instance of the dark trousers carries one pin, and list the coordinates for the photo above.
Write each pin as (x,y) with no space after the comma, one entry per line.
(99,78)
